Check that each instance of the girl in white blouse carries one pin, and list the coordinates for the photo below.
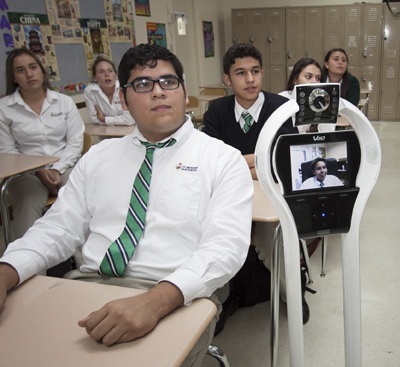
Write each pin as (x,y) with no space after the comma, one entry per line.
(102,96)
(35,120)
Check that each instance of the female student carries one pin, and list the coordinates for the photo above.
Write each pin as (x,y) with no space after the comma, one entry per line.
(335,71)
(102,96)
(305,71)
(35,120)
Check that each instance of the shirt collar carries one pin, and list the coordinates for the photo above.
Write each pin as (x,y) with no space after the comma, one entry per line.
(179,135)
(254,110)
(16,97)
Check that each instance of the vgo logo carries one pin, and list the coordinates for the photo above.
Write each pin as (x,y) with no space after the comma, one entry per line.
(319,138)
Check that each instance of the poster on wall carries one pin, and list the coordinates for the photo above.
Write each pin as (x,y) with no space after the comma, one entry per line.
(156,34)
(95,40)
(208,39)
(64,20)
(33,32)
(120,21)
(5,29)
(142,7)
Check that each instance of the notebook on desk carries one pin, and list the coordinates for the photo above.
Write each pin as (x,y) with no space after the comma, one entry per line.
(39,327)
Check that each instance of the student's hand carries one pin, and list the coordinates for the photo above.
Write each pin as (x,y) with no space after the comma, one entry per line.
(3,296)
(8,279)
(100,114)
(251,163)
(50,178)
(130,318)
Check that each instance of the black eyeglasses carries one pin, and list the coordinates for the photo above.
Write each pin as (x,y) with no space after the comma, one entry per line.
(144,85)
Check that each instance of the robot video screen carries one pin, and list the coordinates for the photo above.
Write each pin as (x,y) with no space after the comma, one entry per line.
(318,162)
(317,166)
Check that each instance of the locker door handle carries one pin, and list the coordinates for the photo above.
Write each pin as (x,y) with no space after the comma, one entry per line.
(269,39)
(289,55)
(234,40)
(252,39)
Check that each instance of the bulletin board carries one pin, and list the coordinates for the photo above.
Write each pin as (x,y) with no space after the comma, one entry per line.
(71,64)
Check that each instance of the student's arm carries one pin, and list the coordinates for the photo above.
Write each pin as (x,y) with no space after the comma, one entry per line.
(252,166)
(130,318)
(91,106)
(213,122)
(353,94)
(8,280)
(74,137)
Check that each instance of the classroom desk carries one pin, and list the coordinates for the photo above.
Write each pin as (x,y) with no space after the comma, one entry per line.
(11,166)
(228,89)
(39,328)
(116,131)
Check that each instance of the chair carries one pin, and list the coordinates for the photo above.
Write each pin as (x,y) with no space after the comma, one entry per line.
(87,143)
(213,92)
(194,105)
(218,354)
(210,94)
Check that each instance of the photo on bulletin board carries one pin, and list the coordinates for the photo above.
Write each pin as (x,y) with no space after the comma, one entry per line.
(208,39)
(142,7)
(33,32)
(95,40)
(156,34)
(64,20)
(119,21)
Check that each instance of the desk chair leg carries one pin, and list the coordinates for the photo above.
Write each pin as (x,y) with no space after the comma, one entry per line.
(324,244)
(275,275)
(306,260)
(218,354)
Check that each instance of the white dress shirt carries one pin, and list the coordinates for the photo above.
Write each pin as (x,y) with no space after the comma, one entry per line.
(198,219)
(313,183)
(254,110)
(113,112)
(56,131)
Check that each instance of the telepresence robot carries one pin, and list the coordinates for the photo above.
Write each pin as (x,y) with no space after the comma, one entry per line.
(312,212)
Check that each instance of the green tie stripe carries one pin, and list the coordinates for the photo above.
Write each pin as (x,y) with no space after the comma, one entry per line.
(248,121)
(122,249)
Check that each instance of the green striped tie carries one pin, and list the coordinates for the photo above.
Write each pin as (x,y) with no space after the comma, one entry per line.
(122,249)
(248,121)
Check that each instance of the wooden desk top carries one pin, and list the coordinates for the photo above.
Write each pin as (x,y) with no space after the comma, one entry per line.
(116,131)
(216,86)
(365,91)
(263,211)
(14,164)
(208,97)
(39,328)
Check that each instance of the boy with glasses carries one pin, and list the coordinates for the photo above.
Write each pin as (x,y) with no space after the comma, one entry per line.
(156,210)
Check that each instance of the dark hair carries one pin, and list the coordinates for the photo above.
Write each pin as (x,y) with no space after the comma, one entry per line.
(298,68)
(315,161)
(345,85)
(239,51)
(11,85)
(98,60)
(146,55)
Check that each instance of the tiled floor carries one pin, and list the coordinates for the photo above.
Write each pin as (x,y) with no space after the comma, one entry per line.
(245,339)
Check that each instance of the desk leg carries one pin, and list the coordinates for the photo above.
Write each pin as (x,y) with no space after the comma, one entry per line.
(5,216)
(275,274)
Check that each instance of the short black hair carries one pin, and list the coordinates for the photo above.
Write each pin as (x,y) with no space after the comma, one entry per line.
(239,51)
(146,55)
